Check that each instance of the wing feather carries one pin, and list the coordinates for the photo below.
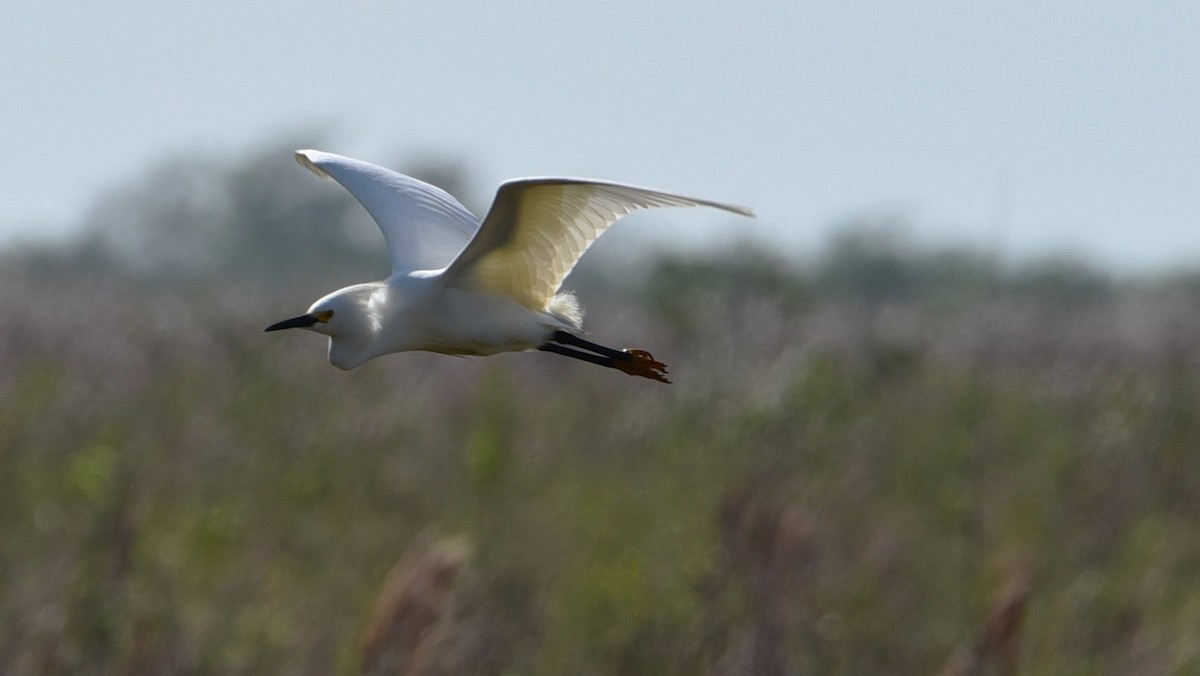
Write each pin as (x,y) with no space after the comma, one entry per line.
(538,228)
(424,226)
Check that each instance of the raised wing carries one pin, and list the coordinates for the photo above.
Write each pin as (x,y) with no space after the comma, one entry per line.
(538,228)
(423,225)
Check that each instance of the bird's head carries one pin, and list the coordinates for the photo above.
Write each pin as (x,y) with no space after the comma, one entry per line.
(344,313)
(349,317)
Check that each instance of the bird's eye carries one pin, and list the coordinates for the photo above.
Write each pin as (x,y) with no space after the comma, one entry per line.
(324,315)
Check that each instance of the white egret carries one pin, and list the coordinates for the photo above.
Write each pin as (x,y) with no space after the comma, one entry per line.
(462,287)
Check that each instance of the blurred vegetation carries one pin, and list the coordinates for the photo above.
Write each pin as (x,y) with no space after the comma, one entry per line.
(884,460)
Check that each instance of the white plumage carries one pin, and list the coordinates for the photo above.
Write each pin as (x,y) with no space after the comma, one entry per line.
(459,286)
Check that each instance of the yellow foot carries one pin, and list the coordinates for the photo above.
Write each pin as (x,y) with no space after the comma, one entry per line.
(643,364)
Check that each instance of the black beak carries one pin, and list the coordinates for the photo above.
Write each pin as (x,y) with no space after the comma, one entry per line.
(301,322)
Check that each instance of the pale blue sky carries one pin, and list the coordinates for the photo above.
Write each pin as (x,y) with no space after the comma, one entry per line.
(1080,119)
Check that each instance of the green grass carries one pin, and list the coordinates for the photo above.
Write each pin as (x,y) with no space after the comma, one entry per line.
(832,486)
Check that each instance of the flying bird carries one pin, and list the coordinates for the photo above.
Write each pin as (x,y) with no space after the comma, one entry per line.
(464,287)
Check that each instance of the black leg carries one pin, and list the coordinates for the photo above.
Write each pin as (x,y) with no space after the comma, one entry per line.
(576,354)
(572,339)
(633,362)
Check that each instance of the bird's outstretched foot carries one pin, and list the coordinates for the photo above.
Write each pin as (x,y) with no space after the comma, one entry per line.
(642,363)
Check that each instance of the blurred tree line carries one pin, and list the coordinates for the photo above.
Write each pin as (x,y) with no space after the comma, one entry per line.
(255,219)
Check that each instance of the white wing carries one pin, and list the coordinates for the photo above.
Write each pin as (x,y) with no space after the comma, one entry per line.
(423,225)
(538,228)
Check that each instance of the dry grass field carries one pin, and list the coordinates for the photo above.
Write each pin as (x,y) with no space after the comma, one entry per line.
(835,484)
